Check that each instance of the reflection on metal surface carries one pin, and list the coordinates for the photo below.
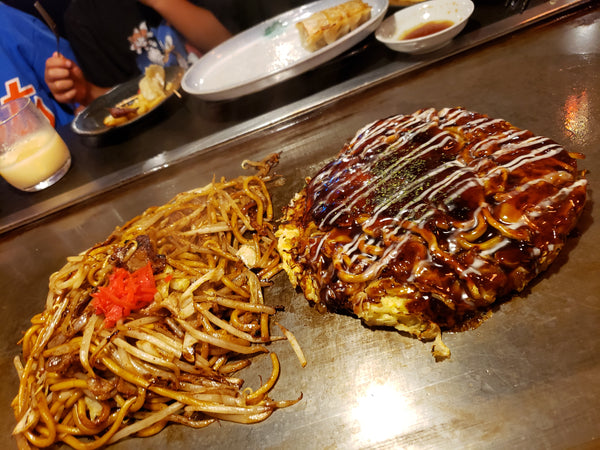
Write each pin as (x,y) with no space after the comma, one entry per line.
(383,412)
(577,116)
(583,39)
(157,162)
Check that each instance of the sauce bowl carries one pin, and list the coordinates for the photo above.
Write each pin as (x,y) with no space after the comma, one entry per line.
(425,27)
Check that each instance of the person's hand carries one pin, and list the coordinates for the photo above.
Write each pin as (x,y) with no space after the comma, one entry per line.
(66,81)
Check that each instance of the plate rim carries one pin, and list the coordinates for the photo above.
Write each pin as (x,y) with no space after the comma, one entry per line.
(307,62)
(179,72)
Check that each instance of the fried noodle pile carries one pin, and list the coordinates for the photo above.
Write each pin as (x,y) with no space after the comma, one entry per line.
(89,381)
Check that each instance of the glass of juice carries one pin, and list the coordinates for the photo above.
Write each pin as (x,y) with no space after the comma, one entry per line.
(32,154)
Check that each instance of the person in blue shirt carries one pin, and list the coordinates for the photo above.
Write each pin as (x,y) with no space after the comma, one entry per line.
(114,40)
(25,44)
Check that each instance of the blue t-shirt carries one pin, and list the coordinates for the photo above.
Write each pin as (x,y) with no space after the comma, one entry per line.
(25,44)
(160,45)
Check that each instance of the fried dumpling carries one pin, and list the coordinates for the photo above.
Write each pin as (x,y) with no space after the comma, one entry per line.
(326,26)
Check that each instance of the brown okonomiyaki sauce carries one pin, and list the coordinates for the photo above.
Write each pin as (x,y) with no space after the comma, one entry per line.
(464,208)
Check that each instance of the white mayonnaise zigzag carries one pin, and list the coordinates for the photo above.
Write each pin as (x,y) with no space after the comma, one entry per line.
(424,220)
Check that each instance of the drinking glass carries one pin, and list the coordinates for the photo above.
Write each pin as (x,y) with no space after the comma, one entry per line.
(32,154)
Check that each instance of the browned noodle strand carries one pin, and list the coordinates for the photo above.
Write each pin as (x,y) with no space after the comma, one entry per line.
(88,385)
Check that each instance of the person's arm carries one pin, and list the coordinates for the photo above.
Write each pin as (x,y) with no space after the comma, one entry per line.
(198,25)
(67,83)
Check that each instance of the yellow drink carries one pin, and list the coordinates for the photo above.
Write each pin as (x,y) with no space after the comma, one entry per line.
(35,159)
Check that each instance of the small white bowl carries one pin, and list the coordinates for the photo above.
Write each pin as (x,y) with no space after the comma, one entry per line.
(392,29)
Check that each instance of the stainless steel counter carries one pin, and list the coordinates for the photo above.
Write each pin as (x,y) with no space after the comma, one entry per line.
(187,127)
(529,377)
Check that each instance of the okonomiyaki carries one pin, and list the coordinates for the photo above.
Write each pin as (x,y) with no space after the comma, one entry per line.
(423,221)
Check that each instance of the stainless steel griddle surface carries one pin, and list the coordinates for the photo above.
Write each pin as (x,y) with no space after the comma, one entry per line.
(529,377)
(185,127)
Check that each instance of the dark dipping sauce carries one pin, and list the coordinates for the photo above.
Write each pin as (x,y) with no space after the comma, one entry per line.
(425,29)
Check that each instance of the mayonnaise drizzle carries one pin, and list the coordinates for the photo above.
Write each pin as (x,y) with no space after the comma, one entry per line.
(387,174)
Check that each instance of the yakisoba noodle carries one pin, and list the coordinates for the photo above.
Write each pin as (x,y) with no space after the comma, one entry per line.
(211,251)
(424,220)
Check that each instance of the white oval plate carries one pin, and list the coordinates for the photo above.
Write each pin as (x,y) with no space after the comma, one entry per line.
(269,53)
